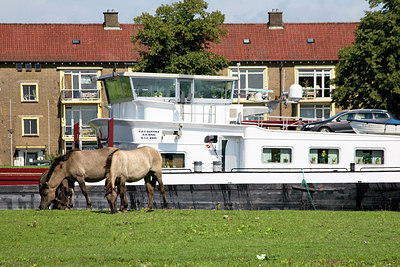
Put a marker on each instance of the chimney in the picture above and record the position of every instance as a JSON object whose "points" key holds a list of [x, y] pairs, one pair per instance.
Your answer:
{"points": [[275, 19], [111, 20]]}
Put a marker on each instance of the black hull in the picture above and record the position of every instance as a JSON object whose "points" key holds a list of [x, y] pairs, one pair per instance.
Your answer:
{"points": [[338, 196]]}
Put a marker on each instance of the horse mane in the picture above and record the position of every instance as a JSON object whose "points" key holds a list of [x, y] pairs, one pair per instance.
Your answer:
{"points": [[56, 162], [107, 167]]}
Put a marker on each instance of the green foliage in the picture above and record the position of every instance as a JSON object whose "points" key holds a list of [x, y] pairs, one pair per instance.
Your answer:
{"points": [[199, 238], [176, 39], [368, 74]]}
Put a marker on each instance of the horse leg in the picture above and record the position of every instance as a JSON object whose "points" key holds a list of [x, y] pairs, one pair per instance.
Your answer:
{"points": [[150, 191], [70, 193], [122, 194], [158, 176], [82, 185]]}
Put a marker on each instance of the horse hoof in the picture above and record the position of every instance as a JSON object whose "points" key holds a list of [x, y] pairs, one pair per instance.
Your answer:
{"points": [[149, 210]]}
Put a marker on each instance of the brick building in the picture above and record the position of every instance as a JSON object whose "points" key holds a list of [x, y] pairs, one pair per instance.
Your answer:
{"points": [[47, 74]]}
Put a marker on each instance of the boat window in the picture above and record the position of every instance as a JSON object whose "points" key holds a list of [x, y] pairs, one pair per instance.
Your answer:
{"points": [[212, 89], [153, 87], [324, 156], [118, 89], [173, 160], [368, 156], [276, 155]]}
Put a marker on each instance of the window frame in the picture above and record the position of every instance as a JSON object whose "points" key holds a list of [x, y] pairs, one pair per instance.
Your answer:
{"points": [[316, 161], [246, 70], [312, 91], [36, 90], [361, 161], [163, 154], [272, 159], [315, 108], [76, 91], [23, 119]]}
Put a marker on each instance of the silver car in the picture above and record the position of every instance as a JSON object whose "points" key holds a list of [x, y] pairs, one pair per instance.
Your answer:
{"points": [[341, 121]]}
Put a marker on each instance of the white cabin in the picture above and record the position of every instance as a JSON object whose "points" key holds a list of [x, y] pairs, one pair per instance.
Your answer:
{"points": [[190, 119]]}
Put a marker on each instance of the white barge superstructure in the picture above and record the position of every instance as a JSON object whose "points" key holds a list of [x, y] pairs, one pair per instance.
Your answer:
{"points": [[191, 120]]}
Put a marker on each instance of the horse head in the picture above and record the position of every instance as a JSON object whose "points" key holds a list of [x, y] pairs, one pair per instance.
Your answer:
{"points": [[49, 184]]}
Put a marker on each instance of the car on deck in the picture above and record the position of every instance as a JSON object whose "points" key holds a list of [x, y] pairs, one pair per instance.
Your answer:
{"points": [[341, 121]]}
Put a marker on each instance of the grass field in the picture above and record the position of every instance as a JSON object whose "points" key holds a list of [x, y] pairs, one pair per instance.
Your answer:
{"points": [[199, 238]]}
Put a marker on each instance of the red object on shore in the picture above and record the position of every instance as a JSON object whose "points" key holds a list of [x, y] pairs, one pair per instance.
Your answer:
{"points": [[20, 176]]}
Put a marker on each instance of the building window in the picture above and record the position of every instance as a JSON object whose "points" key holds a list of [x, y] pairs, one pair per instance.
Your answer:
{"points": [[29, 92], [79, 84], [30, 126], [315, 112], [368, 156], [173, 160], [251, 79], [81, 115], [324, 156], [315, 82], [276, 155]]}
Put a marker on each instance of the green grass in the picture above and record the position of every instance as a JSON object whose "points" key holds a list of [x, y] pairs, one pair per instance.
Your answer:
{"points": [[199, 238]]}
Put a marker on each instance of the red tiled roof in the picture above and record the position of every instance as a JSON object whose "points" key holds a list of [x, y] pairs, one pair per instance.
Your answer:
{"points": [[287, 44], [53, 42]]}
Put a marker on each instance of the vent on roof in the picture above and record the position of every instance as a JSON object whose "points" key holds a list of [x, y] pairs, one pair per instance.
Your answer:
{"points": [[246, 41], [18, 66], [28, 67], [310, 41], [76, 41]]}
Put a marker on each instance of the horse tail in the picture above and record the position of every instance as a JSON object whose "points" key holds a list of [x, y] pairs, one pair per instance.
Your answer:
{"points": [[107, 168]]}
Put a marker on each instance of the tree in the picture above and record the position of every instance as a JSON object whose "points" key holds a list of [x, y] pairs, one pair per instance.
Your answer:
{"points": [[177, 38], [368, 73]]}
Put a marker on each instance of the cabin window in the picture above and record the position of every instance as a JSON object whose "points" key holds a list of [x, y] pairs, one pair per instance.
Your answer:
{"points": [[173, 160], [118, 89], [29, 92], [30, 126], [324, 156], [153, 87], [213, 89], [276, 155], [368, 156]]}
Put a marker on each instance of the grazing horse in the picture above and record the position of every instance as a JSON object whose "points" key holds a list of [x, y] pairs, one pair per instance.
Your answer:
{"points": [[64, 194], [132, 166], [77, 165]]}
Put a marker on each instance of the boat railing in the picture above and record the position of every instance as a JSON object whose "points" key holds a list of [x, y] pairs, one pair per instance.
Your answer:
{"points": [[379, 168], [289, 169], [175, 170], [284, 123]]}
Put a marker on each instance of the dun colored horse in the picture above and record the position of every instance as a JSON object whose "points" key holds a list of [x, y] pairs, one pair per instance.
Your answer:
{"points": [[132, 166], [77, 165]]}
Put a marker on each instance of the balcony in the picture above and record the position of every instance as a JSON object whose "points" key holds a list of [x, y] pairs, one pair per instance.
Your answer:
{"points": [[84, 131], [316, 93], [80, 95]]}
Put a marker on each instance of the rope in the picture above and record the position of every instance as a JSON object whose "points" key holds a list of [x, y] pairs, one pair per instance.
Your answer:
{"points": [[308, 191]]}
